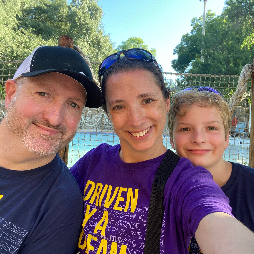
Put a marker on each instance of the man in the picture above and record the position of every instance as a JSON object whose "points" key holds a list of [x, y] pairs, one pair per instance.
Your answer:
{"points": [[41, 205]]}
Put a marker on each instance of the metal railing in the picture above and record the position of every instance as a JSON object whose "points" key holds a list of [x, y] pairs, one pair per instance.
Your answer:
{"points": [[95, 127]]}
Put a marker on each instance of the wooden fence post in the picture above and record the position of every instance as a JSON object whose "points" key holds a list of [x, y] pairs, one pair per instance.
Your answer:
{"points": [[251, 151]]}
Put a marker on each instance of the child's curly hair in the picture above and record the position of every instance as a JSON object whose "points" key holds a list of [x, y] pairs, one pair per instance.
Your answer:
{"points": [[182, 100]]}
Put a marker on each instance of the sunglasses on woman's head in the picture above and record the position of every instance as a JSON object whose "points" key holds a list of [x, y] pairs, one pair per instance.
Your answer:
{"points": [[202, 89], [135, 53]]}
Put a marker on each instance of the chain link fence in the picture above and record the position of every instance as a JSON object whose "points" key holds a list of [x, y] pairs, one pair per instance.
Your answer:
{"points": [[95, 127]]}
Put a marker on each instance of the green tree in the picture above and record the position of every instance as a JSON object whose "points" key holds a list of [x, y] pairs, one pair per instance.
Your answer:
{"points": [[25, 24], [223, 44], [15, 43], [241, 13], [189, 48], [135, 42]]}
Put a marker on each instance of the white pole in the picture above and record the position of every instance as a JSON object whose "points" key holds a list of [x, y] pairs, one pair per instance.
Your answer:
{"points": [[203, 30]]}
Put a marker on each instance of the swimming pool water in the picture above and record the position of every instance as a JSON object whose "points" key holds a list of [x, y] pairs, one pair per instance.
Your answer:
{"points": [[237, 151]]}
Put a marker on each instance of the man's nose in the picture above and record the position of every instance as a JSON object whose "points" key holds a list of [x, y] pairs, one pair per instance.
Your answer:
{"points": [[54, 113]]}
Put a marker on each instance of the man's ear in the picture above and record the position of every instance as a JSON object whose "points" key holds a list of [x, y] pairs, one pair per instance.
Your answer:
{"points": [[172, 144], [10, 90]]}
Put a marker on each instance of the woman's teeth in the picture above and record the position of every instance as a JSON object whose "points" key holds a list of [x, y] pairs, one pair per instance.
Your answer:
{"points": [[140, 134]]}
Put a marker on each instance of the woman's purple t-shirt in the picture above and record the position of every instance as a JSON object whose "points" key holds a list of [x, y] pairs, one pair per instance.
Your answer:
{"points": [[117, 196]]}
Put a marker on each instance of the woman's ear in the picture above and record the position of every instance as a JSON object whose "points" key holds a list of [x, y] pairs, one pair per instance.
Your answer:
{"points": [[172, 144], [10, 90], [168, 104]]}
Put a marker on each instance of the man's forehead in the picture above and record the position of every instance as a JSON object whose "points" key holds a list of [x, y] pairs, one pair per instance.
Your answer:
{"points": [[55, 81]]}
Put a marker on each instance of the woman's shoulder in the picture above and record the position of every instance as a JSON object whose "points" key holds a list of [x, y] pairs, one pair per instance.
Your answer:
{"points": [[97, 156], [186, 176], [186, 168], [99, 151]]}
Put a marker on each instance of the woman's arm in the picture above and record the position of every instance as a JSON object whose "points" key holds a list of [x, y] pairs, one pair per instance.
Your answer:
{"points": [[219, 233]]}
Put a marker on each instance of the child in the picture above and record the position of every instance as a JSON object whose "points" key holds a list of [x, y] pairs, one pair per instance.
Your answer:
{"points": [[199, 123]]}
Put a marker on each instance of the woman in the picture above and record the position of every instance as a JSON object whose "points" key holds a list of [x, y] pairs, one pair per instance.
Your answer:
{"points": [[117, 180], [199, 124]]}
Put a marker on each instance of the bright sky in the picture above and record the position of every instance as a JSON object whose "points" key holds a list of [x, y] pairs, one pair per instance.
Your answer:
{"points": [[159, 23]]}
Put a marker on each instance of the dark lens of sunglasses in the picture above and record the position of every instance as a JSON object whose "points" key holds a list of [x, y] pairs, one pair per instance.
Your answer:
{"points": [[138, 54], [109, 61]]}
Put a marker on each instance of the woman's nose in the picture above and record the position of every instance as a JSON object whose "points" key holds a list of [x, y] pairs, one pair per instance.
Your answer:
{"points": [[135, 115]]}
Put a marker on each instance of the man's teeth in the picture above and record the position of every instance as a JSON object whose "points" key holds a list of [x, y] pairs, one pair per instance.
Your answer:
{"points": [[140, 134]]}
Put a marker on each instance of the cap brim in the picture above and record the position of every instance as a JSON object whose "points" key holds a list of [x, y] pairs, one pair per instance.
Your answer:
{"points": [[94, 97]]}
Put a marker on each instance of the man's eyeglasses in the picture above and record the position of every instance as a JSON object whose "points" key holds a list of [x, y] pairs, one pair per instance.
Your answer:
{"points": [[202, 89], [135, 53]]}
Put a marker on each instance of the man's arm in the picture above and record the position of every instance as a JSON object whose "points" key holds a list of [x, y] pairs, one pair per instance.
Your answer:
{"points": [[219, 233]]}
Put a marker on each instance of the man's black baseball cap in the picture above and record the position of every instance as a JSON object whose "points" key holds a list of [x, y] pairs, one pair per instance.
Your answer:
{"points": [[45, 59]]}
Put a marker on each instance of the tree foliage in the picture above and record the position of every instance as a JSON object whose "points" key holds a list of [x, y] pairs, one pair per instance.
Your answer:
{"points": [[26, 24], [135, 42], [226, 46]]}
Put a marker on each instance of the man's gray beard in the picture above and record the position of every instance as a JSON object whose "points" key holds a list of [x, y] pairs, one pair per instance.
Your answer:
{"points": [[29, 143], [28, 140]]}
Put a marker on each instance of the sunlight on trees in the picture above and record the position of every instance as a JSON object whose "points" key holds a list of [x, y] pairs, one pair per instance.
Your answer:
{"points": [[26, 24], [135, 42], [228, 42]]}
